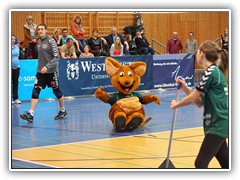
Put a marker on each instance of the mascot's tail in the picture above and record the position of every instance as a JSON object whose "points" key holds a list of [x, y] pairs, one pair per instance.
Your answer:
{"points": [[145, 121]]}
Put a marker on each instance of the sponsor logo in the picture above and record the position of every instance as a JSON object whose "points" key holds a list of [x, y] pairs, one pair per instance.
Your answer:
{"points": [[72, 70]]}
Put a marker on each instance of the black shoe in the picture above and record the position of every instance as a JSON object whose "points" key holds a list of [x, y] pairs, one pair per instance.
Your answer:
{"points": [[60, 115], [27, 116], [120, 122], [135, 122]]}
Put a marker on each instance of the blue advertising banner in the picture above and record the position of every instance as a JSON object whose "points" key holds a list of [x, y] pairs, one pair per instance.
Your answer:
{"points": [[28, 70], [83, 76], [166, 68]]}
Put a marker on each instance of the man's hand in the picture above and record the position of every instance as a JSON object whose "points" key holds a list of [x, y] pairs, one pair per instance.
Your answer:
{"points": [[44, 70]]}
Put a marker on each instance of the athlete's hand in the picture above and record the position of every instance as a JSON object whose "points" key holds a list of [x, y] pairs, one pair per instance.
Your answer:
{"points": [[173, 104], [44, 70]]}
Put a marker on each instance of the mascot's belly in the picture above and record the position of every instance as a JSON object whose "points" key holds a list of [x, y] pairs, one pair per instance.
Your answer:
{"points": [[127, 106]]}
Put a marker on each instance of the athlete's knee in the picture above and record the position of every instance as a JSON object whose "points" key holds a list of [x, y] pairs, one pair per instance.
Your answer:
{"points": [[57, 92], [35, 92]]}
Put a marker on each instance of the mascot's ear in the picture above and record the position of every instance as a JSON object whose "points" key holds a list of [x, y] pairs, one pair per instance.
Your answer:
{"points": [[112, 66], [139, 68]]}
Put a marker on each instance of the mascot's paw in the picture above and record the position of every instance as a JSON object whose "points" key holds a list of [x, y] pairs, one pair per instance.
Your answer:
{"points": [[148, 98], [156, 99], [120, 123], [135, 122], [99, 92]]}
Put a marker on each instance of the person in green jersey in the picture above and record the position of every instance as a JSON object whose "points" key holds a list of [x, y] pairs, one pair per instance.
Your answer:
{"points": [[212, 94]]}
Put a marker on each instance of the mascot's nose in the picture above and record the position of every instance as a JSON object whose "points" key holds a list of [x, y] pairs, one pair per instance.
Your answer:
{"points": [[127, 82]]}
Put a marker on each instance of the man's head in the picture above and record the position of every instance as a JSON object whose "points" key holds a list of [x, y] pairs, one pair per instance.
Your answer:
{"points": [[64, 32], [138, 32], [175, 35], [114, 31], [191, 35], [69, 42], [42, 30]]}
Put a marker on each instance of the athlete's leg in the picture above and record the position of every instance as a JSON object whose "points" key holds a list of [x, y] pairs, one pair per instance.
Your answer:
{"points": [[58, 93], [223, 156], [210, 147]]}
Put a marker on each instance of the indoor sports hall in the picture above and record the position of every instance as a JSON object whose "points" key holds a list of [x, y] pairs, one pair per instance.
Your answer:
{"points": [[85, 138]]}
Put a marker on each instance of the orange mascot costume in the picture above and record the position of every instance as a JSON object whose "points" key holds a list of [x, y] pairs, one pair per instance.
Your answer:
{"points": [[127, 112]]}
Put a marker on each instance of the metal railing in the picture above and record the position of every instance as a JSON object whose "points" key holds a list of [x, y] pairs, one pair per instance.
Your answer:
{"points": [[162, 45], [218, 39]]}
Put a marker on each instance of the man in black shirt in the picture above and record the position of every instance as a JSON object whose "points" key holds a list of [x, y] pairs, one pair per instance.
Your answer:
{"points": [[143, 46]]}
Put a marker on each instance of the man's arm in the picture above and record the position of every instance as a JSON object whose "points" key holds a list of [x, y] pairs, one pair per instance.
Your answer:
{"points": [[55, 55]]}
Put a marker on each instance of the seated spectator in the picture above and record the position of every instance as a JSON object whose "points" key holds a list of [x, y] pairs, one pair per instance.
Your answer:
{"points": [[64, 38], [78, 31], [67, 50], [116, 48], [22, 50], [95, 44], [86, 53], [110, 39], [57, 36], [132, 46], [143, 47]]}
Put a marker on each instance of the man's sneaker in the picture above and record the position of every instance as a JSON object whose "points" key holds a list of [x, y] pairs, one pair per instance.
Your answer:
{"points": [[17, 102], [27, 116], [61, 115]]}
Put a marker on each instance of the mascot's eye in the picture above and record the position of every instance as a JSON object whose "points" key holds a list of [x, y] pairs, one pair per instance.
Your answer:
{"points": [[130, 73], [121, 74]]}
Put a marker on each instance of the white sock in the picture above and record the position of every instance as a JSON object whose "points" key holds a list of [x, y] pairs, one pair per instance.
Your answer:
{"points": [[63, 109], [31, 112]]}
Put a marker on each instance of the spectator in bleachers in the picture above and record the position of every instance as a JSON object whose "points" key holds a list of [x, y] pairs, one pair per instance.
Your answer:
{"points": [[30, 38], [22, 50], [143, 46], [132, 46], [116, 48], [86, 52], [110, 39], [78, 31], [224, 40], [19, 44], [64, 38], [15, 71], [57, 36], [95, 43], [174, 45], [67, 50], [191, 44]]}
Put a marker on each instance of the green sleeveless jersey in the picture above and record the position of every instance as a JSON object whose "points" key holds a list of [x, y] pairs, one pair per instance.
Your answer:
{"points": [[215, 102]]}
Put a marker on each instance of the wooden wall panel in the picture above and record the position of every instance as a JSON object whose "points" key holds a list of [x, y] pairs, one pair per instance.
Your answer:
{"points": [[205, 25], [19, 19]]}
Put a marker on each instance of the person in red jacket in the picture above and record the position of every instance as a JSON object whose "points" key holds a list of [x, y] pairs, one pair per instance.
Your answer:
{"points": [[174, 45], [78, 31]]}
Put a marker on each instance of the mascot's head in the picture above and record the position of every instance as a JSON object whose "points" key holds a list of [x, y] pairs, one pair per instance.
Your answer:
{"points": [[125, 79]]}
